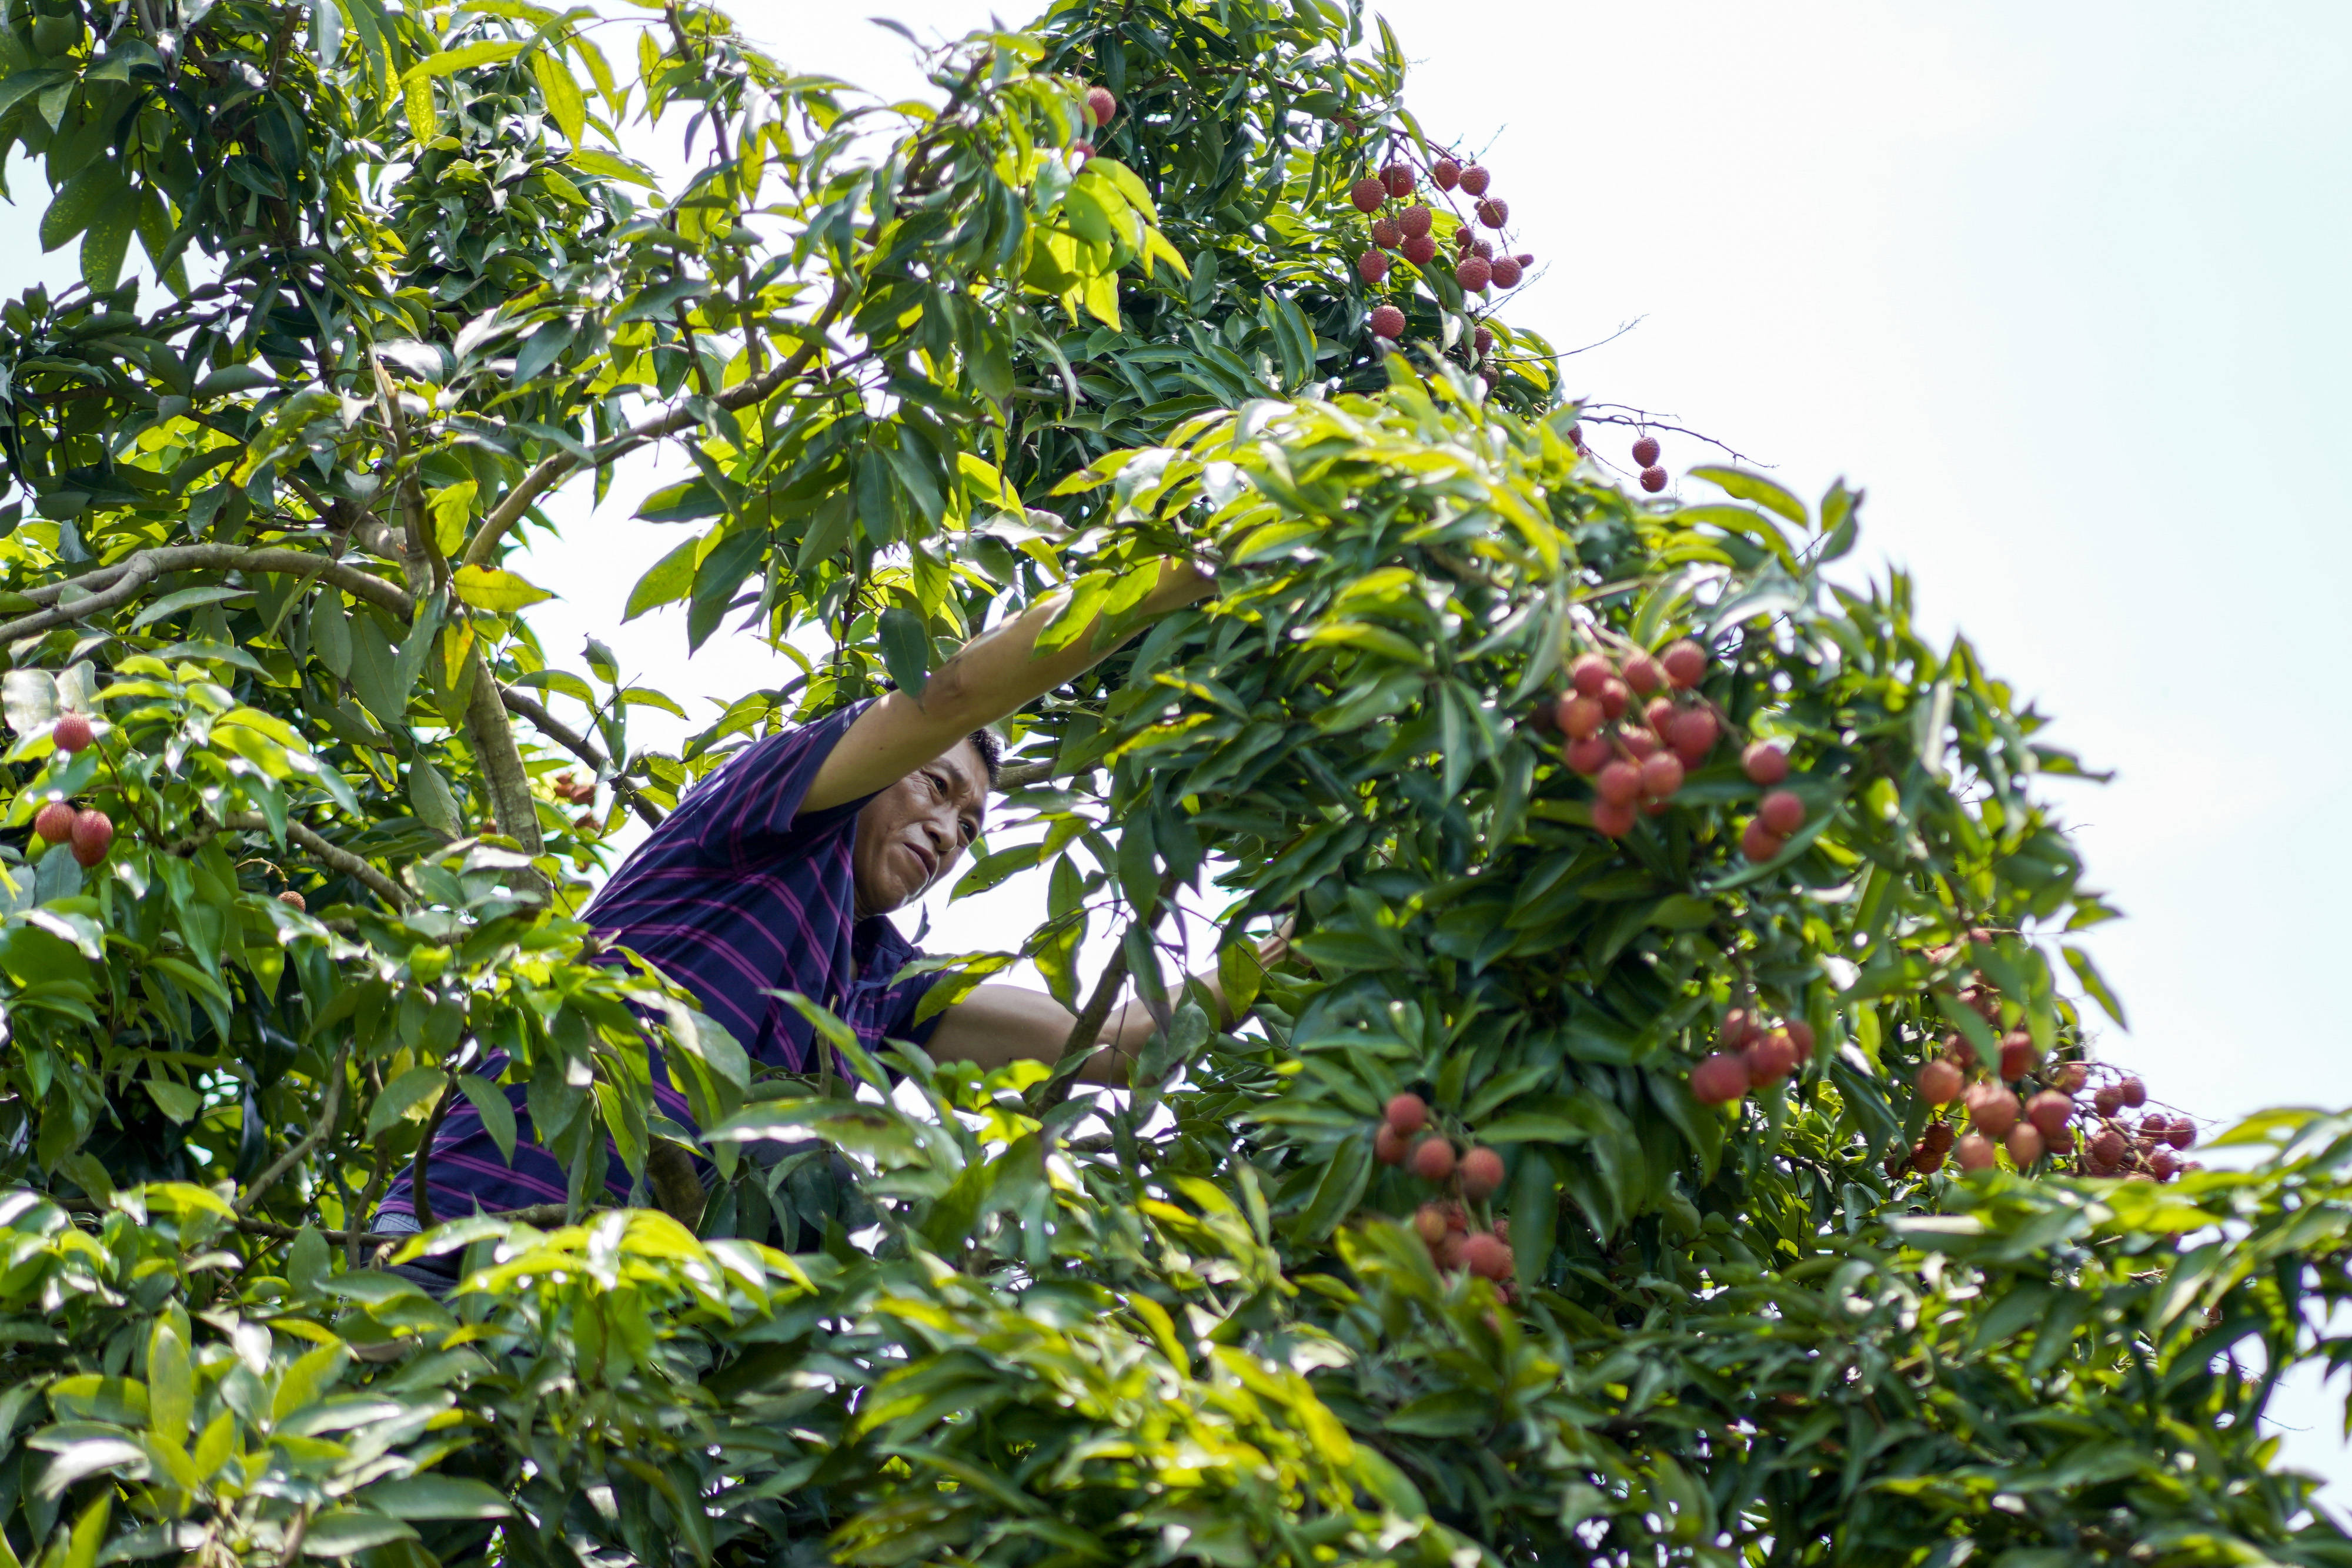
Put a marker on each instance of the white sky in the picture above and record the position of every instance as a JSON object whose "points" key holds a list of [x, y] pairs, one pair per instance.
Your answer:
{"points": [[2060, 285]]}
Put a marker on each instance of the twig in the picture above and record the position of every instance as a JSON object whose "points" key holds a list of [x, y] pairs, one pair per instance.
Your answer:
{"points": [[329, 1110], [1088, 1027], [580, 746], [333, 854], [420, 1170], [537, 1214], [1639, 420]]}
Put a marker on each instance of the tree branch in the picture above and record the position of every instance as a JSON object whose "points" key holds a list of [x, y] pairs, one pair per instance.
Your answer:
{"points": [[330, 854], [580, 746], [118, 584], [502, 760], [332, 1108]]}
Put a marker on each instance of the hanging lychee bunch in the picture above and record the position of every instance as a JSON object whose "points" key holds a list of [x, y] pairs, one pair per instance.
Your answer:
{"points": [[1751, 1055], [1404, 1137], [2031, 1111], [568, 786], [1637, 757], [1646, 458], [1409, 230], [90, 831]]}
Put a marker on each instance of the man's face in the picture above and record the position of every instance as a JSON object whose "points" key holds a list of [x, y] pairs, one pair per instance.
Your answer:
{"points": [[912, 833]]}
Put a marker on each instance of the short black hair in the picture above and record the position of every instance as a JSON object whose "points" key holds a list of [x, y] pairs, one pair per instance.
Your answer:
{"points": [[992, 752]]}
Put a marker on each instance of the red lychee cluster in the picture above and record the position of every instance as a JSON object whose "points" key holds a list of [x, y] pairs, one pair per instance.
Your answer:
{"points": [[1410, 232], [90, 831], [1752, 1056], [1646, 458], [1637, 757], [568, 786], [2016, 1103], [1404, 1138]]}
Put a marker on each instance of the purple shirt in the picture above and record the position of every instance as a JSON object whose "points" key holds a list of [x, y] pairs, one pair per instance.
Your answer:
{"points": [[737, 893]]}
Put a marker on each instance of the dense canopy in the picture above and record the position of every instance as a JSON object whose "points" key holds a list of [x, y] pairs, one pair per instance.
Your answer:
{"points": [[1674, 1137]]}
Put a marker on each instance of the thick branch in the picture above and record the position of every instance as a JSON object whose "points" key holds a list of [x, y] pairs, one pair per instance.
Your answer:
{"points": [[420, 1170], [580, 746], [332, 1108], [500, 761], [118, 584], [331, 854]]}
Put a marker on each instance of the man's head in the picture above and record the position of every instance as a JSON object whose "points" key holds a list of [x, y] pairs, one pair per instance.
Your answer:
{"points": [[911, 834]]}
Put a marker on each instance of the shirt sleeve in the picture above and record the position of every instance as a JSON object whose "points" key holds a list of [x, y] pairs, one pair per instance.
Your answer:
{"points": [[750, 808]]}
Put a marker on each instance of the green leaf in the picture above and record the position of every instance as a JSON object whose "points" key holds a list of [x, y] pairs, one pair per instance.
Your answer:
{"points": [[1755, 487], [437, 1497], [2095, 984], [106, 241], [411, 1095], [185, 599], [564, 99], [498, 1114], [906, 649], [596, 161], [495, 589]]}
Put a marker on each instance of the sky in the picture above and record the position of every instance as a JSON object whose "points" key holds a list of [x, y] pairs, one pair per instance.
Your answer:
{"points": [[2060, 286]]}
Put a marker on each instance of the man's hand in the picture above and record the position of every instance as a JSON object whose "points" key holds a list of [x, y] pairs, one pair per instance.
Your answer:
{"points": [[991, 676]]}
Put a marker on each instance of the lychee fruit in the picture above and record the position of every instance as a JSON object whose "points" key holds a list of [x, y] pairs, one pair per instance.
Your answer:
{"points": [[1800, 1035], [1740, 1030], [2067, 1077], [1661, 776], [2162, 1165], [1686, 663], [1505, 272], [1429, 1223], [1764, 764], [1658, 713], [1449, 1250], [70, 733], [1082, 150], [294, 901], [1590, 672], [1614, 694], [1397, 180], [1770, 1059], [1719, 1080], [2135, 1092], [2049, 1111], [1407, 1113], [1480, 341], [2181, 1135], [1433, 1159], [1993, 1108], [55, 821], [1525, 258], [1415, 220], [1419, 249], [1388, 321], [1372, 266], [1974, 1151], [1482, 1173], [1445, 173], [1645, 452], [2107, 1100], [1471, 273], [1588, 756], [1758, 842], [1963, 1054], [2154, 1124], [2025, 1144], [1939, 1083], [1612, 820], [1620, 783], [1494, 211], [1475, 179], [1926, 1159], [1389, 1146], [1653, 480], [2016, 1053], [92, 831], [2106, 1147], [1368, 194], [1579, 717], [1644, 675], [1692, 733], [1486, 1256], [1781, 811], [1101, 107]]}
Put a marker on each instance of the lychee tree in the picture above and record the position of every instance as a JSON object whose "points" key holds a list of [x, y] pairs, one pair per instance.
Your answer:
{"points": [[1669, 1139]]}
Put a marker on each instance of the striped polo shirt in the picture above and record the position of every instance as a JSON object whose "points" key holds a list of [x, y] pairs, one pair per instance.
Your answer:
{"points": [[737, 893]]}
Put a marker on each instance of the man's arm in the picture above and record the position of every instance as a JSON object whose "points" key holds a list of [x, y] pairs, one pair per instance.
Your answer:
{"points": [[999, 1024], [989, 677]]}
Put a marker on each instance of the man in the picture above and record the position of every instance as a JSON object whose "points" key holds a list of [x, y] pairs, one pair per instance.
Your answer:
{"points": [[776, 874]]}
